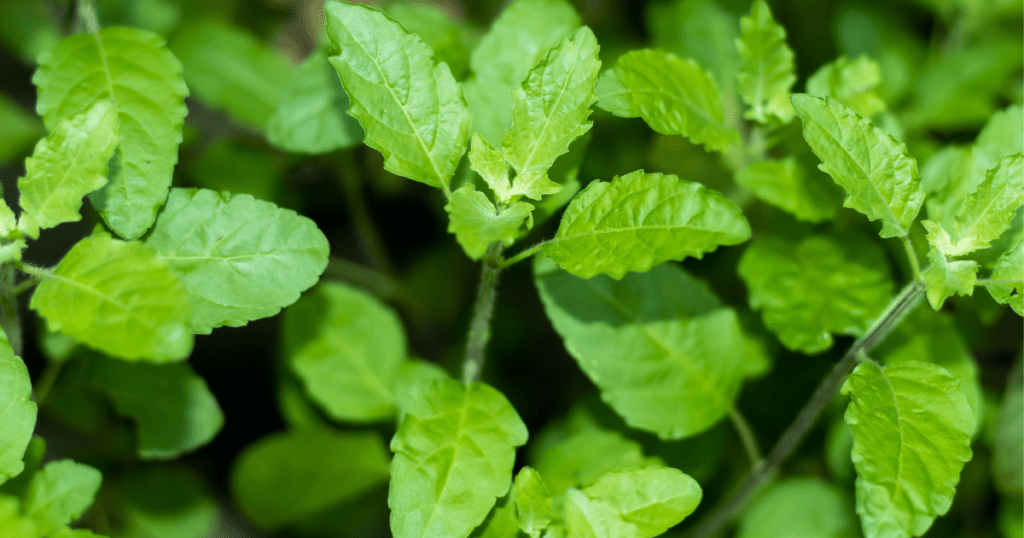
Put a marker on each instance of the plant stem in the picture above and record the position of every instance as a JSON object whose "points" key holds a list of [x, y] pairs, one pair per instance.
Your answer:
{"points": [[483, 309], [10, 320], [37, 272], [25, 285], [505, 264], [46, 381], [367, 234], [747, 437], [87, 14], [908, 298], [983, 281], [912, 256]]}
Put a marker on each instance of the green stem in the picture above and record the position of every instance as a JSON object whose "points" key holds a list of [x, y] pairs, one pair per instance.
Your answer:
{"points": [[87, 14], [747, 437], [912, 256], [908, 298], [37, 272], [10, 319], [505, 264], [49, 376], [483, 309], [366, 232], [25, 285], [983, 281]]}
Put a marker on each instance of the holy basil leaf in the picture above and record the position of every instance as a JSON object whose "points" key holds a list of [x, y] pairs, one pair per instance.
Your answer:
{"points": [[488, 161], [454, 452], [67, 165], [944, 277], [136, 70], [652, 498], [310, 115], [1007, 437], [409, 105], [806, 194], [290, 476], [639, 220], [12, 522], [17, 411], [550, 110], [880, 178], [163, 502], [593, 518], [476, 223], [138, 309], [410, 374], [800, 508], [766, 71], [59, 494], [851, 82], [239, 258], [987, 212], [347, 348], [1006, 284], [674, 96], [911, 437], [821, 285], [533, 502]]}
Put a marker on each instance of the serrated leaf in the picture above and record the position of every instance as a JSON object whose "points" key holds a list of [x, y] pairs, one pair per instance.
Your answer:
{"points": [[310, 115], [939, 239], [17, 411], [822, 285], [137, 308], [533, 502], [800, 508], [987, 212], [851, 82], [639, 220], [674, 96], [806, 194], [314, 468], [766, 71], [488, 161], [1008, 438], [1007, 280], [454, 452], [911, 437], [239, 258], [880, 178], [346, 347], [135, 69], [231, 70], [592, 518], [410, 107], [550, 110], [59, 493], [653, 498], [476, 223], [68, 164], [664, 353], [944, 277]]}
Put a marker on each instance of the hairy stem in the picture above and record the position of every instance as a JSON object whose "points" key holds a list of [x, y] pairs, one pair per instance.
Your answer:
{"points": [[87, 14], [10, 319], [504, 264], [483, 309], [747, 437], [912, 256], [908, 298]]}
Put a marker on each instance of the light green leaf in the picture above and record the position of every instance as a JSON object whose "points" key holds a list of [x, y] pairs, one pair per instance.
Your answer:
{"points": [[346, 347], [851, 82], [136, 70], [454, 452], [1006, 283], [60, 493], [443, 35], [880, 178], [987, 212], [653, 498], [12, 523], [665, 354], [231, 70], [8, 221], [639, 220], [520, 37], [164, 502], [173, 410], [1008, 437], [17, 411], [239, 258], [533, 502], [820, 286], [1002, 136], [766, 71], [409, 105], [944, 277], [592, 518], [310, 115], [806, 194], [410, 374], [939, 240], [800, 508], [501, 522], [911, 436], [136, 307], [488, 161], [312, 468], [674, 96], [550, 110], [476, 223]]}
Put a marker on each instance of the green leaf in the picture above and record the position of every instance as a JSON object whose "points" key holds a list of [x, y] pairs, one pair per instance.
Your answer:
{"points": [[1008, 438], [806, 194], [488, 161], [851, 82], [654, 499], [520, 37], [173, 410], [880, 178], [820, 286], [410, 374], [592, 518], [911, 436], [60, 493], [767, 73], [476, 223], [12, 523], [137, 308], [17, 411], [665, 354], [639, 220], [66, 165], [550, 110], [438, 31], [987, 212], [1007, 280], [533, 502], [674, 96], [800, 508], [230, 70], [1002, 136], [310, 115], [239, 258], [136, 70], [164, 502], [347, 348], [454, 452], [409, 105], [313, 469], [944, 277], [21, 130]]}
